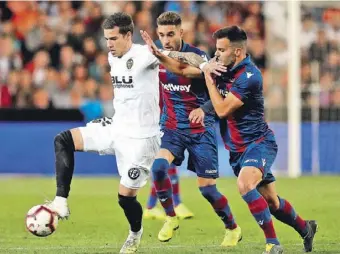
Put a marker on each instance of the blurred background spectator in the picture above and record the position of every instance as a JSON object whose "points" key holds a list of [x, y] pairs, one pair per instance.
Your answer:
{"points": [[53, 53]]}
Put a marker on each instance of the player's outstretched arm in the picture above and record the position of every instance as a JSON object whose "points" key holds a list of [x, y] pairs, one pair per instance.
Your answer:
{"points": [[180, 63], [169, 63], [223, 106]]}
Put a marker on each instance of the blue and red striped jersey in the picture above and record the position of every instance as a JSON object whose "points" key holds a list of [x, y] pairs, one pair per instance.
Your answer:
{"points": [[246, 124], [180, 96]]}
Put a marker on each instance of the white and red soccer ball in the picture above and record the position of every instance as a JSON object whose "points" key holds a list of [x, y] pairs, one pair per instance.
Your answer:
{"points": [[41, 220]]}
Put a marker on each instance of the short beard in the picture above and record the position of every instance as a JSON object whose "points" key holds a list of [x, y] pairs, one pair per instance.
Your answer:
{"points": [[232, 63]]}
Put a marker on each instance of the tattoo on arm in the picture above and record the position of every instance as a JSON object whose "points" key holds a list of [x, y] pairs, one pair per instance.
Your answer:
{"points": [[187, 57]]}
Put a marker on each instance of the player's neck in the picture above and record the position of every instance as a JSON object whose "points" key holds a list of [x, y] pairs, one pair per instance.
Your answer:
{"points": [[238, 60], [127, 48], [179, 47]]}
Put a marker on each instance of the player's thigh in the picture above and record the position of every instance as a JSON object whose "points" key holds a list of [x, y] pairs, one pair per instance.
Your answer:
{"points": [[203, 156], [77, 139], [134, 159], [97, 138], [261, 156], [172, 146]]}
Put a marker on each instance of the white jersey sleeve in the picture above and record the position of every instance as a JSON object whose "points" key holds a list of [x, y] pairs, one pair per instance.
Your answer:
{"points": [[151, 59]]}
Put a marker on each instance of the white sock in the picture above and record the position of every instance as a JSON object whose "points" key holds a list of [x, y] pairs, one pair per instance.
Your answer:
{"points": [[60, 200], [136, 234]]}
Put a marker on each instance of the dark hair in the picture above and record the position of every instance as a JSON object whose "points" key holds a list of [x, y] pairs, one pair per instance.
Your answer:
{"points": [[232, 33], [169, 18], [121, 20]]}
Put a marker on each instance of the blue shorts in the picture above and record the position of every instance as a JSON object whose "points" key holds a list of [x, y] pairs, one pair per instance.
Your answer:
{"points": [[258, 154], [202, 149]]}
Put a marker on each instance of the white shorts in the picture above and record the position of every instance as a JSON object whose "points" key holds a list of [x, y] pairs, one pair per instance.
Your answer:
{"points": [[134, 156]]}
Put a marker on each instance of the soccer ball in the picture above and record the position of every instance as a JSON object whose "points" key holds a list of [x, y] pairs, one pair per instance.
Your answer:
{"points": [[41, 221]]}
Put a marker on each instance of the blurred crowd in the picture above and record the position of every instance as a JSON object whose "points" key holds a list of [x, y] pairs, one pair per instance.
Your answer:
{"points": [[53, 54]]}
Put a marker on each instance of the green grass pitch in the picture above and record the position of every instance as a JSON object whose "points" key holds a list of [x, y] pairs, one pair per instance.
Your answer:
{"points": [[97, 224]]}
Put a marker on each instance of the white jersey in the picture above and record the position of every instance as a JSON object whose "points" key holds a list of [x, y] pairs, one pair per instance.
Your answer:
{"points": [[136, 89]]}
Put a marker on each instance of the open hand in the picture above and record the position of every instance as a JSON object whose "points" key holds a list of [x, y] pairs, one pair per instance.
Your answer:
{"points": [[147, 39], [197, 116]]}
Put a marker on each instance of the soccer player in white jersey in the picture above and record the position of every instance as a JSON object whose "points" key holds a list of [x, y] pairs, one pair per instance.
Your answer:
{"points": [[132, 134]]}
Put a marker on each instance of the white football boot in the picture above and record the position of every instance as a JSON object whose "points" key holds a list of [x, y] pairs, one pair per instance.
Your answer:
{"points": [[132, 242], [59, 205]]}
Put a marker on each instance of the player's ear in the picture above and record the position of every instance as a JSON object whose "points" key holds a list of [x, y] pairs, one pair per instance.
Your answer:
{"points": [[181, 32], [238, 52], [128, 35]]}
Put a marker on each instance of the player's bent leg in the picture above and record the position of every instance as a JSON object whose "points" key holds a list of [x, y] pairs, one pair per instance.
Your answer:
{"points": [[283, 211], [181, 210], [221, 207], [163, 187], [127, 199], [248, 179], [65, 144]]}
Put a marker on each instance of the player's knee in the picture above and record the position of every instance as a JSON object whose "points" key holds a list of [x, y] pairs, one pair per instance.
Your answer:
{"points": [[244, 186], [159, 168], [125, 202], [64, 140]]}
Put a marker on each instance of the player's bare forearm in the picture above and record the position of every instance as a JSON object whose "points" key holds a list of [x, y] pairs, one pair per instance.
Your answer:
{"points": [[223, 106], [215, 96], [188, 58], [179, 68]]}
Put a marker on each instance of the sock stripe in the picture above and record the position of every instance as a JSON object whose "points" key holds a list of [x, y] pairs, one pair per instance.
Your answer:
{"points": [[288, 215], [220, 203], [175, 188], [162, 185], [301, 223], [172, 171], [287, 208], [153, 191], [268, 233], [258, 205]]}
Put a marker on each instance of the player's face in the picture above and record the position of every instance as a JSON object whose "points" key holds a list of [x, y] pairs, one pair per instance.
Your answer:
{"points": [[170, 37], [225, 53], [117, 43]]}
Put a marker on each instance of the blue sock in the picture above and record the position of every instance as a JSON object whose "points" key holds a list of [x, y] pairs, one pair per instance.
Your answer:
{"points": [[172, 172], [220, 204], [162, 185], [258, 206], [152, 200]]}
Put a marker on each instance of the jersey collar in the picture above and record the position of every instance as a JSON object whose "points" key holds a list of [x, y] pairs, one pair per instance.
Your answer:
{"points": [[245, 61], [184, 46]]}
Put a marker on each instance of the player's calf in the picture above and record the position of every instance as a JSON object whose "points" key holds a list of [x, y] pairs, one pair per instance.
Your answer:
{"points": [[220, 204], [64, 166], [64, 162], [132, 210], [162, 185], [221, 207]]}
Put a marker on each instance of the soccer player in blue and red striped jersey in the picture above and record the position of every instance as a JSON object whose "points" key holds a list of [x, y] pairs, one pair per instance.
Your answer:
{"points": [[237, 98], [152, 211], [184, 90]]}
